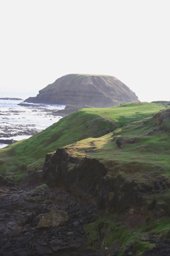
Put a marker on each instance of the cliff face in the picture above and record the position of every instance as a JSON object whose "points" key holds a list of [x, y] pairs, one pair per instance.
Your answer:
{"points": [[110, 187], [125, 203], [85, 91]]}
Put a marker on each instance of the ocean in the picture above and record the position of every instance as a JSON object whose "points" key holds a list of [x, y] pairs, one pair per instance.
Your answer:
{"points": [[21, 122]]}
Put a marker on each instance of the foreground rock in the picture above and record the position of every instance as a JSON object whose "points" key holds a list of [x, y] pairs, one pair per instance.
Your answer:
{"points": [[70, 214], [85, 91], [43, 221], [112, 188], [131, 191]]}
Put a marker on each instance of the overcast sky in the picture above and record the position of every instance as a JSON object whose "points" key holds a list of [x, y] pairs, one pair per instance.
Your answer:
{"points": [[41, 40]]}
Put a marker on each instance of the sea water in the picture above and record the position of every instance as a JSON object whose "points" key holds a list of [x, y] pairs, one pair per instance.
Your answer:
{"points": [[20, 122]]}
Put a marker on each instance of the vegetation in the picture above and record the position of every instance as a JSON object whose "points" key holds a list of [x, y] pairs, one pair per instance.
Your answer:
{"points": [[130, 141], [143, 150], [89, 122], [108, 230]]}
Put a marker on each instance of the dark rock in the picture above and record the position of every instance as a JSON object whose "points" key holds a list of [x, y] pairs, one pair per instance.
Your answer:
{"points": [[62, 169], [4, 181], [120, 141], [53, 218], [89, 178], [6, 141], [7, 98], [162, 248], [44, 226], [162, 120], [68, 110]]}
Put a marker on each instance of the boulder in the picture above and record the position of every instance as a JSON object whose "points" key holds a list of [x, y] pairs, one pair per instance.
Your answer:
{"points": [[53, 218]]}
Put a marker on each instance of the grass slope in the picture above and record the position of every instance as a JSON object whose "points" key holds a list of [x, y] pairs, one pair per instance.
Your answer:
{"points": [[89, 122], [149, 147], [141, 162]]}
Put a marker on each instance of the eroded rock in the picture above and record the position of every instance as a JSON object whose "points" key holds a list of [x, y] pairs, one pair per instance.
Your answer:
{"points": [[52, 223], [53, 218], [162, 120], [119, 187]]}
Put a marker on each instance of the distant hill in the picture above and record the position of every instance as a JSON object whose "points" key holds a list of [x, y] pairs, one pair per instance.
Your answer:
{"points": [[85, 91]]}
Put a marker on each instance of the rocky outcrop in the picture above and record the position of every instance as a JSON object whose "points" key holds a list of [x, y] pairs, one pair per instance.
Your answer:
{"points": [[54, 218], [43, 222], [121, 142], [85, 91], [133, 192], [162, 120], [112, 188]]}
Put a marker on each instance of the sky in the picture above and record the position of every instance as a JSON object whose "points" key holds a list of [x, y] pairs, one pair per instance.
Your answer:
{"points": [[42, 40]]}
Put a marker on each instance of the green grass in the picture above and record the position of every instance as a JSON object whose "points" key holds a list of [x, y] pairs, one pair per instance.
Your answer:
{"points": [[31, 153], [107, 231], [89, 122], [150, 147], [153, 150]]}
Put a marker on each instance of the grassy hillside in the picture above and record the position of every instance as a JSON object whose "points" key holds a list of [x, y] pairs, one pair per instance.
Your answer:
{"points": [[29, 154], [137, 153], [133, 142], [142, 141]]}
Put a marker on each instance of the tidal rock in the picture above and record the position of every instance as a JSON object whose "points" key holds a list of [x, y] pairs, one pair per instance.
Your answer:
{"points": [[7, 141]]}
